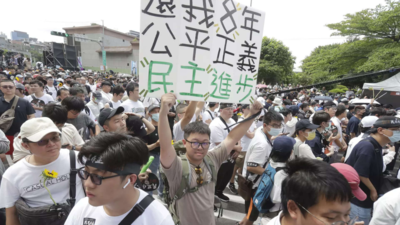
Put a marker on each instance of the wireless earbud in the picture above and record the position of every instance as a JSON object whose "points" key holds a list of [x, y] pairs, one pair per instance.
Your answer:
{"points": [[129, 181]]}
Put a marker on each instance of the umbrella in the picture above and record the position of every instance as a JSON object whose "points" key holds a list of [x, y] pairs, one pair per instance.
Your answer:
{"points": [[126, 75], [323, 98], [261, 86]]}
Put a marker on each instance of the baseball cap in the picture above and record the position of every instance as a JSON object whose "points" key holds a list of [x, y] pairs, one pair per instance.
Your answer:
{"points": [[387, 122], [98, 95], [352, 177], [153, 106], [305, 124], [108, 113], [226, 105], [19, 86], [135, 124], [283, 144], [60, 80], [36, 128], [368, 121]]}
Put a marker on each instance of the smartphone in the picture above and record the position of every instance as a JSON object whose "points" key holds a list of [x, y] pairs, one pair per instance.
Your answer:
{"points": [[286, 133]]}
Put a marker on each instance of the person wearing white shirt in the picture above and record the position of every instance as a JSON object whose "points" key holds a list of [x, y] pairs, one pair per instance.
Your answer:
{"points": [[118, 93], [105, 92], [96, 104], [304, 131], [210, 114], [262, 98], [109, 176], [38, 99], [133, 104], [50, 89], [339, 144], [42, 138], [186, 114], [92, 84], [387, 209]]}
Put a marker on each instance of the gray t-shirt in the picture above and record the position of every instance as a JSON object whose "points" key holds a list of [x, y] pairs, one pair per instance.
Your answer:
{"points": [[83, 123]]}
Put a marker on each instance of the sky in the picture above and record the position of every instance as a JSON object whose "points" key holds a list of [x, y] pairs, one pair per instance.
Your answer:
{"points": [[300, 25]]}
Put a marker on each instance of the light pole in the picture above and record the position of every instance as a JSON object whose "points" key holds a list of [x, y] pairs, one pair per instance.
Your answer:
{"points": [[103, 52], [251, 3]]}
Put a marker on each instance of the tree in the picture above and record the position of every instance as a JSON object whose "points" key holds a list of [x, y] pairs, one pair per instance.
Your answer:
{"points": [[276, 62]]}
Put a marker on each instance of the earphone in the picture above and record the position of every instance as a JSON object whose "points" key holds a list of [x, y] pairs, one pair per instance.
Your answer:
{"points": [[129, 181]]}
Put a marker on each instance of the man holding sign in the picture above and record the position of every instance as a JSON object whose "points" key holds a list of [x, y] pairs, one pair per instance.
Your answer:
{"points": [[194, 204]]}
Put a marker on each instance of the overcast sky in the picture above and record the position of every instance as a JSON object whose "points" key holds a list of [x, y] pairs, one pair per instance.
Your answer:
{"points": [[300, 25]]}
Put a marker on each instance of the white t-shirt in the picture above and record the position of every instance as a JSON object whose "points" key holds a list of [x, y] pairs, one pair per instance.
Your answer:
{"points": [[93, 87], [245, 140], [23, 180], [133, 107], [258, 153], [178, 131], [85, 214], [45, 99], [305, 151], [276, 220], [107, 97], [353, 142], [277, 188], [53, 92], [116, 104], [219, 131], [262, 100], [337, 123], [207, 115], [95, 108], [387, 209]]}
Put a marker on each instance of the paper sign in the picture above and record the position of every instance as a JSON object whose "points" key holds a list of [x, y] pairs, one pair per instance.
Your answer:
{"points": [[205, 50]]}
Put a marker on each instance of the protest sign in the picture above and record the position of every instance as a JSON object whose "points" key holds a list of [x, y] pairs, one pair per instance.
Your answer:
{"points": [[206, 50]]}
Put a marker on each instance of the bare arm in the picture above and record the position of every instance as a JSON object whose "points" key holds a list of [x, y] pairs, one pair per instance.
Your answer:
{"points": [[154, 145], [31, 116], [190, 111], [237, 133], [167, 151], [12, 216], [150, 128], [373, 193], [250, 134], [97, 130], [199, 108]]}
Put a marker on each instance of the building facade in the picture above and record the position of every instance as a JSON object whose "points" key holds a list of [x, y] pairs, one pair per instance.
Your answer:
{"points": [[19, 35], [121, 48]]}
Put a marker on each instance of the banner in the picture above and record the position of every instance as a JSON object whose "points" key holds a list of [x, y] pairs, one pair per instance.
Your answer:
{"points": [[205, 50]]}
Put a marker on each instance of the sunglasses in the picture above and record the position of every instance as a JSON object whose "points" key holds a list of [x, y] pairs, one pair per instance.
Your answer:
{"points": [[7, 87], [96, 179], [199, 171], [45, 142]]}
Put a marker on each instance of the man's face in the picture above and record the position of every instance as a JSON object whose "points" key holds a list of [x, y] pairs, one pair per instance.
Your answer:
{"points": [[119, 97], [64, 94], [227, 112], [73, 114], [182, 114], [116, 124], [306, 109], [106, 88], [46, 151], [322, 213], [35, 88], [81, 96], [288, 118], [197, 154], [82, 81], [135, 93], [274, 124], [331, 111], [50, 81], [110, 190], [8, 88]]}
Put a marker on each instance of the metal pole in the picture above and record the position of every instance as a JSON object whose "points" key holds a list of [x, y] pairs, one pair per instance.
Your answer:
{"points": [[251, 3], [102, 47]]}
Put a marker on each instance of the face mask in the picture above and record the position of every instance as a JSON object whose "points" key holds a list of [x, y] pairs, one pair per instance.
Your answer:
{"points": [[395, 137], [96, 100], [155, 117], [275, 131], [311, 135], [328, 127]]}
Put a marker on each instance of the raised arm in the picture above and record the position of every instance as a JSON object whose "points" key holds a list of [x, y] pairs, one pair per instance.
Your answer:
{"points": [[190, 111], [237, 133], [167, 151]]}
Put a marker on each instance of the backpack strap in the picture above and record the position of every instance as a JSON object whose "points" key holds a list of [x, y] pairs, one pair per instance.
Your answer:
{"points": [[87, 110], [137, 211], [223, 121], [210, 114], [296, 149], [211, 167], [186, 178], [14, 103], [72, 178]]}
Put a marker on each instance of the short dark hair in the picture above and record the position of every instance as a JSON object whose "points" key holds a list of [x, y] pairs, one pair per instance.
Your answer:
{"points": [[287, 102], [7, 80], [278, 156], [320, 117], [196, 127], [304, 105], [340, 110], [118, 90], [212, 104], [272, 116], [309, 180], [38, 82], [271, 97], [73, 103], [285, 112], [351, 107], [60, 90], [180, 107], [57, 113], [115, 150], [131, 87], [76, 90], [377, 111], [358, 108]]}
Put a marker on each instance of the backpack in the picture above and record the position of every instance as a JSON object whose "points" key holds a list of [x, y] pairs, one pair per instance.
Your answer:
{"points": [[262, 200], [50, 214], [184, 186], [7, 118]]}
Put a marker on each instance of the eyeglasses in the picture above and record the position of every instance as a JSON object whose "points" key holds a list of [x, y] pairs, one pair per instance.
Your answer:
{"points": [[7, 87], [45, 142], [199, 171], [276, 126], [197, 145], [350, 222], [96, 179]]}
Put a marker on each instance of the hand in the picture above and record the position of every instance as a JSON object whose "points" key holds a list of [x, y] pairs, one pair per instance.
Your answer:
{"points": [[171, 114], [208, 121], [274, 137], [144, 176], [237, 148], [133, 114], [255, 108], [372, 101], [392, 148], [158, 143], [332, 138], [235, 155], [359, 223], [167, 101], [373, 195], [106, 105]]}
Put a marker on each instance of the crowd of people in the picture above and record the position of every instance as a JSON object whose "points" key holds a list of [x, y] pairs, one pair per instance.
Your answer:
{"points": [[86, 148]]}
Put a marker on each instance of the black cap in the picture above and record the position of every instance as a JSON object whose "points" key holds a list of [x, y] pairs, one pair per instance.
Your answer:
{"points": [[225, 105], [108, 113], [387, 122], [135, 124], [305, 124], [283, 144]]}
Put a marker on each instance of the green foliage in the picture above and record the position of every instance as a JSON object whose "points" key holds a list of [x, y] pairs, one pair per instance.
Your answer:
{"points": [[276, 62], [337, 91], [373, 44], [341, 87]]}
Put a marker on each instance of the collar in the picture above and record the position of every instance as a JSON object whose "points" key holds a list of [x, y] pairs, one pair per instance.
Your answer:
{"points": [[4, 99], [277, 164]]}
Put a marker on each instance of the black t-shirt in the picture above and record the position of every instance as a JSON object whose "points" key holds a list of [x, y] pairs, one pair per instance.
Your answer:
{"points": [[151, 139], [316, 144], [22, 110], [267, 105], [366, 159], [349, 115]]}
